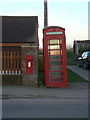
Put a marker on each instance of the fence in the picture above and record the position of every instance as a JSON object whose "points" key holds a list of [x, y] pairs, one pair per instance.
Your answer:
{"points": [[10, 62]]}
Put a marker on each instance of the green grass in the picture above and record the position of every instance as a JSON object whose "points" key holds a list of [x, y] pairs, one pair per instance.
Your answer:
{"points": [[72, 77]]}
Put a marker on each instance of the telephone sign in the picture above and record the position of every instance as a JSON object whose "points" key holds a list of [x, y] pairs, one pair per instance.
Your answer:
{"points": [[53, 33]]}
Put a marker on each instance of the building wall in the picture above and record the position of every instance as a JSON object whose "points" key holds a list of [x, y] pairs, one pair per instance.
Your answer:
{"points": [[12, 79], [30, 79], [21, 78]]}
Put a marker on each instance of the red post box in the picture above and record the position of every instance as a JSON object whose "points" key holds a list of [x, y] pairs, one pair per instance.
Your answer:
{"points": [[29, 64], [55, 61]]}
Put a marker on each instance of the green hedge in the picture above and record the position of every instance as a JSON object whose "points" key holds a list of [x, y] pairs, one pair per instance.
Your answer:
{"points": [[40, 63], [70, 58]]}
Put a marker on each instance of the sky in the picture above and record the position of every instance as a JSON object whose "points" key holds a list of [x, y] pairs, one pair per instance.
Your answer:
{"points": [[69, 14]]}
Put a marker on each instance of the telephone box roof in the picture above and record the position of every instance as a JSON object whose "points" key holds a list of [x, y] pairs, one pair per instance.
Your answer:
{"points": [[54, 27]]}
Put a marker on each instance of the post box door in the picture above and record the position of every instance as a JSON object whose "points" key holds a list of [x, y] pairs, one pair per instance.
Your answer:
{"points": [[29, 64]]}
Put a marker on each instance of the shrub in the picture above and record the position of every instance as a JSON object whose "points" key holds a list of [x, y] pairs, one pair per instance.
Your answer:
{"points": [[40, 63]]}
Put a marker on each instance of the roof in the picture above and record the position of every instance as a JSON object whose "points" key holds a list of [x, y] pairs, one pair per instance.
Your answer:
{"points": [[19, 29], [82, 41]]}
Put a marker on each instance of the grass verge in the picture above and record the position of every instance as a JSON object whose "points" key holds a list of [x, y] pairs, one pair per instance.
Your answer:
{"points": [[73, 77]]}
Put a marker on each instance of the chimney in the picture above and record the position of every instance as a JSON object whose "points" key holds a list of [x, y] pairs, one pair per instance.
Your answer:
{"points": [[45, 14]]}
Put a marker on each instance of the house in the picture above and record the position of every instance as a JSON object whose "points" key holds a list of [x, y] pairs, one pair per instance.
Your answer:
{"points": [[19, 50]]}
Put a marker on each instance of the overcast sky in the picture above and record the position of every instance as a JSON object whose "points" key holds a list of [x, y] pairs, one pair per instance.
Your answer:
{"points": [[70, 14]]}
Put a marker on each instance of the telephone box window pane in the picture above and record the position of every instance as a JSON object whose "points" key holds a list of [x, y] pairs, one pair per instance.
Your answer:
{"points": [[60, 41], [55, 68], [55, 57], [55, 79], [48, 41], [55, 52], [54, 41], [55, 74], [55, 62], [48, 47], [61, 52], [54, 47]]}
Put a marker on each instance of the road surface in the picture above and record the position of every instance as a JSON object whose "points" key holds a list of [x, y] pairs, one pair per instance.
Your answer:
{"points": [[45, 108]]}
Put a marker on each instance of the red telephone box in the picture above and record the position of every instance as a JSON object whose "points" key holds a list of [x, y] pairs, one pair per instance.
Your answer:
{"points": [[29, 64], [55, 61]]}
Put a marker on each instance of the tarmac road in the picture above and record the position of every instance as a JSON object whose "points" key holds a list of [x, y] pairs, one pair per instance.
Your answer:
{"points": [[84, 73], [45, 108]]}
